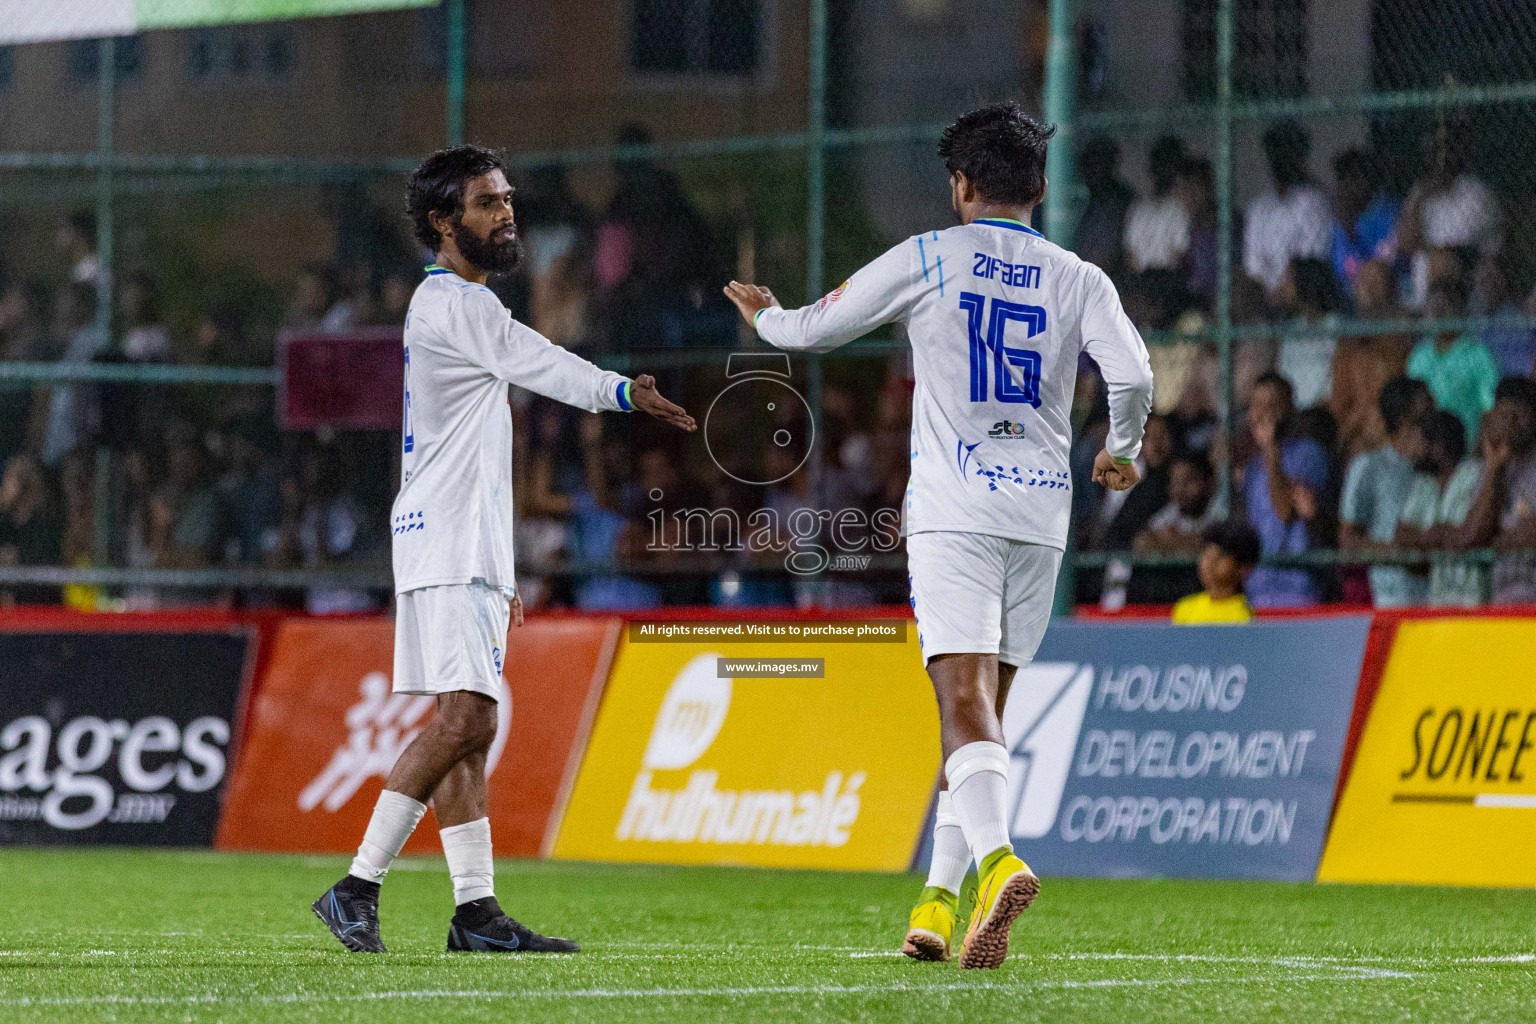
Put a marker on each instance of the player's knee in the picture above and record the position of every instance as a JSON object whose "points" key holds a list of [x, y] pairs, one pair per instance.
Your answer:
{"points": [[471, 722]]}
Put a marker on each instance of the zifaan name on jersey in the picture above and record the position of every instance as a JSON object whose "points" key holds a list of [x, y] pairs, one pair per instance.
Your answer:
{"points": [[1025, 275]]}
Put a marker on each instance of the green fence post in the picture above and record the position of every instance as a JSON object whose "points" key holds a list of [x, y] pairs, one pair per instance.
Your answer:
{"points": [[1224, 244], [106, 112], [1060, 105], [816, 214], [455, 66]]}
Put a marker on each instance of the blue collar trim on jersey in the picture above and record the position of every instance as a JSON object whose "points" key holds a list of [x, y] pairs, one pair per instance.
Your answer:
{"points": [[433, 270], [1011, 225]]}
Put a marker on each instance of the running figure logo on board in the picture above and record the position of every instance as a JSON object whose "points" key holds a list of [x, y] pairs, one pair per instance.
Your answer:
{"points": [[379, 728]]}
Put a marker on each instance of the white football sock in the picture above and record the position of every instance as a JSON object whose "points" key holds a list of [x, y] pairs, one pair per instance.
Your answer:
{"points": [[951, 856], [468, 849], [394, 819], [978, 785]]}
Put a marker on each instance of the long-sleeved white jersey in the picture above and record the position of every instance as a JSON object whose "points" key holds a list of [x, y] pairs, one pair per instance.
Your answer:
{"points": [[452, 520], [996, 316]]}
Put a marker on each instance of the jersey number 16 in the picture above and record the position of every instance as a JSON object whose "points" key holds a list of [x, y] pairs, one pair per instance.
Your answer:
{"points": [[988, 347]]}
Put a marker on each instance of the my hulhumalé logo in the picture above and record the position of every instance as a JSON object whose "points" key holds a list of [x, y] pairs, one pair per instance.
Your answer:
{"points": [[1006, 430], [686, 725]]}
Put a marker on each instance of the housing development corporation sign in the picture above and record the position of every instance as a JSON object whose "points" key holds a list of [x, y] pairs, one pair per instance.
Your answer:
{"points": [[1194, 751]]}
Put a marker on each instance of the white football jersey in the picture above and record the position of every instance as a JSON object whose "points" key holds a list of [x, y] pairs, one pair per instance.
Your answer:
{"points": [[996, 316], [452, 520]]}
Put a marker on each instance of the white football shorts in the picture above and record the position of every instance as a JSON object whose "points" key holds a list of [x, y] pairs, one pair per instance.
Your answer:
{"points": [[451, 637], [977, 594]]}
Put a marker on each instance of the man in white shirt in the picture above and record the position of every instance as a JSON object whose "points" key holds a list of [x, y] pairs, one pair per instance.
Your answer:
{"points": [[1293, 219], [1157, 227], [452, 539], [997, 317]]}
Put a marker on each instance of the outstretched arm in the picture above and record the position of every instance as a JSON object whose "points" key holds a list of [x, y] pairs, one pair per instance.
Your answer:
{"points": [[879, 293], [520, 355]]}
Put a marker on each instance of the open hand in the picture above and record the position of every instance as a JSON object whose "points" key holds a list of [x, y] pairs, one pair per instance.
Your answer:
{"points": [[1117, 476], [648, 400], [750, 299]]}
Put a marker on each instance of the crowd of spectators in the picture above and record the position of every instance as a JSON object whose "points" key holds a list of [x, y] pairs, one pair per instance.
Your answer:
{"points": [[200, 477], [1376, 444], [1397, 438]]}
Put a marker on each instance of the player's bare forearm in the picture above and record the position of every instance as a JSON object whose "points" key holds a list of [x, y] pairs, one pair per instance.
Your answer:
{"points": [[648, 400], [749, 299]]}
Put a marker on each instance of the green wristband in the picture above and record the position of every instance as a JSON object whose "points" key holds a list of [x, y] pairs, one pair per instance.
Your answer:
{"points": [[1122, 462], [758, 314]]}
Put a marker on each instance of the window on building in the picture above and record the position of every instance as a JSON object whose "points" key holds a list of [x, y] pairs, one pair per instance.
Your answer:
{"points": [[277, 55], [85, 54], [240, 53], [1269, 53], [696, 37]]}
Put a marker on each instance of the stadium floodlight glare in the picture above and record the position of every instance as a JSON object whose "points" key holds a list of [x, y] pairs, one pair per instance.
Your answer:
{"points": [[28, 21]]}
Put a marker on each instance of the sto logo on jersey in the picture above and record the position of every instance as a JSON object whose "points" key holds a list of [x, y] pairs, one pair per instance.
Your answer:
{"points": [[1006, 430]]}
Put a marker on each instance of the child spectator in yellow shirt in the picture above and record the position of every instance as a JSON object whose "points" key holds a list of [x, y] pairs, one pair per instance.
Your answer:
{"points": [[1231, 551]]}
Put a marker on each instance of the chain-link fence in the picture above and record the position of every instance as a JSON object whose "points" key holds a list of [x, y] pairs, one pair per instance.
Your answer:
{"points": [[1276, 186]]}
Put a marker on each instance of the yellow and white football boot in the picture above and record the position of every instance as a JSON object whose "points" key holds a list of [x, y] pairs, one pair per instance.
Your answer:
{"points": [[932, 924], [1005, 889]]}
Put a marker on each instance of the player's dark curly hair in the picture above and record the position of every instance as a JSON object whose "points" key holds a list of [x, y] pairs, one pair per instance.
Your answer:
{"points": [[1001, 150], [437, 186]]}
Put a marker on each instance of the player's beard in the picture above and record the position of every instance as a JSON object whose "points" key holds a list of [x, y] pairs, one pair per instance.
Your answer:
{"points": [[494, 257]]}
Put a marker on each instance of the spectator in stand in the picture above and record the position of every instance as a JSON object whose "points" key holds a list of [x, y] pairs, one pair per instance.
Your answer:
{"points": [[30, 530], [1504, 512], [1157, 226], [1099, 238], [144, 338], [1437, 506], [1447, 208], [1180, 525], [1364, 363], [654, 256], [1282, 484], [395, 298], [73, 411], [76, 242], [1197, 191], [355, 305], [1366, 219], [1293, 219], [314, 298], [1177, 528], [1309, 294], [600, 533], [1494, 294], [556, 228], [1376, 492], [1132, 511], [22, 339], [1458, 368], [333, 531], [1226, 563]]}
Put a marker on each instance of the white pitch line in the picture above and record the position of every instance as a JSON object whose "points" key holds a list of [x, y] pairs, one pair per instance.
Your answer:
{"points": [[657, 993]]}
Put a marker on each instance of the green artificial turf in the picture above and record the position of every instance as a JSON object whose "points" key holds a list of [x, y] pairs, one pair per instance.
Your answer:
{"points": [[124, 935]]}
